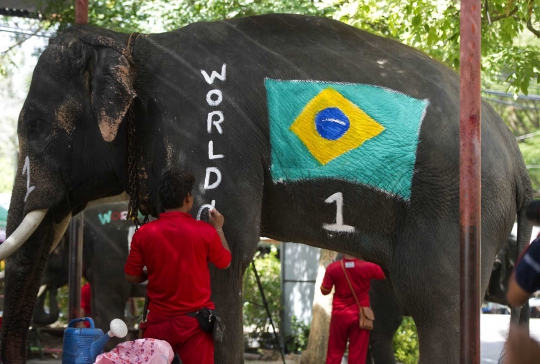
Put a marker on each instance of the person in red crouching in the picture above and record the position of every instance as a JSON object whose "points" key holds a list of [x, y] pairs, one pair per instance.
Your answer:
{"points": [[176, 250], [345, 311]]}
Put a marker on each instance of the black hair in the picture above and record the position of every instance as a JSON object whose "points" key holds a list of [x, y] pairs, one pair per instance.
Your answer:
{"points": [[174, 188]]}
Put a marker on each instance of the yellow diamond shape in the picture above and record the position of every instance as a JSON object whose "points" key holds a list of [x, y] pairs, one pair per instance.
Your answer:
{"points": [[362, 126]]}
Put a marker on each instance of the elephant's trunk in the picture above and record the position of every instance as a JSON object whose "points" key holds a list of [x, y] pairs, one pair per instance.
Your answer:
{"points": [[24, 269], [41, 317]]}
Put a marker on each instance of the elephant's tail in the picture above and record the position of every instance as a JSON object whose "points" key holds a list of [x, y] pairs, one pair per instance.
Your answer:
{"points": [[524, 197], [524, 228]]}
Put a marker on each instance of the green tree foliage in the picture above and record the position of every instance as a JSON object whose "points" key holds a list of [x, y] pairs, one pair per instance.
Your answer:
{"points": [[297, 341], [269, 269], [433, 26]]}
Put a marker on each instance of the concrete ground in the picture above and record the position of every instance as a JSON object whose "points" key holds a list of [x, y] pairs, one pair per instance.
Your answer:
{"points": [[493, 331]]}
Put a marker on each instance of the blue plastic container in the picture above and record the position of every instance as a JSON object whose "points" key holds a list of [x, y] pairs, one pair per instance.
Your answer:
{"points": [[82, 345]]}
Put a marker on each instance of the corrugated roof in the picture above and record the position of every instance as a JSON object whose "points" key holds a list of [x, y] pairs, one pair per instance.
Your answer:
{"points": [[19, 8]]}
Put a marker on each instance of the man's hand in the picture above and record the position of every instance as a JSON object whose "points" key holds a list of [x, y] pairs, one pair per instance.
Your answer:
{"points": [[516, 296], [520, 348], [216, 219]]}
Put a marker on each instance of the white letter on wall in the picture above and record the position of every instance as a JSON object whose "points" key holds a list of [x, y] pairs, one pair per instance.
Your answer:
{"points": [[211, 154], [210, 121], [207, 185], [210, 79], [211, 101], [206, 206], [338, 226]]}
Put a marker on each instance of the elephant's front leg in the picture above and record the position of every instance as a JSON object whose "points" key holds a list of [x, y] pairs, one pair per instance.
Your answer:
{"points": [[227, 295], [242, 233]]}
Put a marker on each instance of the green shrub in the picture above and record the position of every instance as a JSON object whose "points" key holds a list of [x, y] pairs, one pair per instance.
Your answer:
{"points": [[269, 269], [297, 341], [406, 342]]}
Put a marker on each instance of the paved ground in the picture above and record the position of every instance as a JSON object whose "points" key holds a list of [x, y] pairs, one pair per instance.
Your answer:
{"points": [[493, 331]]}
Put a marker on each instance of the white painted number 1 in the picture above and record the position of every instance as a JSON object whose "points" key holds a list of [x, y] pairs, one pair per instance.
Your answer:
{"points": [[338, 226], [26, 169]]}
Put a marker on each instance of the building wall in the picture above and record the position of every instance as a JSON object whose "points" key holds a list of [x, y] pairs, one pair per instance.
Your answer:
{"points": [[299, 265]]}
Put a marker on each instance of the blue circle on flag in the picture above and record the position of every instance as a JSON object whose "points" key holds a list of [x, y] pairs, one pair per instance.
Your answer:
{"points": [[331, 123]]}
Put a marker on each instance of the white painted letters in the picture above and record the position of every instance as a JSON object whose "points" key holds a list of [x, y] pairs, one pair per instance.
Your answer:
{"points": [[26, 169], [209, 171], [215, 117], [210, 79], [214, 101], [338, 226], [210, 120], [211, 154], [205, 206]]}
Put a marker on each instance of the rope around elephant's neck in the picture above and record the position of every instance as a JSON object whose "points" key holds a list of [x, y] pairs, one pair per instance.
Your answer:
{"points": [[133, 185]]}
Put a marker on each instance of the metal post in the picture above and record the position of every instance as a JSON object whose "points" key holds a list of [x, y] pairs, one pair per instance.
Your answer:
{"points": [[470, 182], [75, 266], [267, 309], [81, 11]]}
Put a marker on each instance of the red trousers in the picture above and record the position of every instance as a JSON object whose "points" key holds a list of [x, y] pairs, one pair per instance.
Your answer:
{"points": [[343, 326], [186, 338]]}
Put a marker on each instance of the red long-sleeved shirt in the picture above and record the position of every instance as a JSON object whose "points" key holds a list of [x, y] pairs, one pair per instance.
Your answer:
{"points": [[176, 250], [360, 273]]}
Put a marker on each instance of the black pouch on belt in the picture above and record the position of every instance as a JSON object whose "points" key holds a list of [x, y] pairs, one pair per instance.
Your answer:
{"points": [[206, 318], [210, 322]]}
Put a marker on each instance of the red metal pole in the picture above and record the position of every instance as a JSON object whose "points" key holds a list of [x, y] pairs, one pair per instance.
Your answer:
{"points": [[470, 182], [81, 11], [76, 225]]}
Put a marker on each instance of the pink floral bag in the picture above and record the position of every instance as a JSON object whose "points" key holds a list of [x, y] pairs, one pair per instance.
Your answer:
{"points": [[143, 351]]}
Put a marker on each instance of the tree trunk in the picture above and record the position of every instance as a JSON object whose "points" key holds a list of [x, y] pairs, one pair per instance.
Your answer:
{"points": [[322, 309]]}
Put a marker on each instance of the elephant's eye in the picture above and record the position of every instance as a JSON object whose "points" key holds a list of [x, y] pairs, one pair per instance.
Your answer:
{"points": [[37, 132], [35, 128]]}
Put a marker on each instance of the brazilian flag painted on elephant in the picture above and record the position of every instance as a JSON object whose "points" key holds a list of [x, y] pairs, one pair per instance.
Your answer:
{"points": [[356, 132]]}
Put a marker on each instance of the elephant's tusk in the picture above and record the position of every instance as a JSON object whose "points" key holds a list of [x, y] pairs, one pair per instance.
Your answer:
{"points": [[2, 275], [60, 230], [42, 289], [22, 233]]}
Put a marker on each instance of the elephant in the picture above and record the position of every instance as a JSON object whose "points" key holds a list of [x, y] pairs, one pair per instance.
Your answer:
{"points": [[389, 314], [296, 128], [106, 236], [54, 277]]}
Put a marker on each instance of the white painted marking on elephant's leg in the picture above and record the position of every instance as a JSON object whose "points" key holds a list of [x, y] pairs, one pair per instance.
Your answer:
{"points": [[205, 206], [210, 79], [214, 101], [209, 171], [211, 154], [338, 226], [26, 169], [210, 120]]}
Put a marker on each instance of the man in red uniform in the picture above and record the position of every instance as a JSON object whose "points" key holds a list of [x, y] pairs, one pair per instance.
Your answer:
{"points": [[86, 302], [345, 312], [176, 250]]}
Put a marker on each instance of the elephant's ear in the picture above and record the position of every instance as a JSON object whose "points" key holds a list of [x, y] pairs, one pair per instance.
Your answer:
{"points": [[112, 83]]}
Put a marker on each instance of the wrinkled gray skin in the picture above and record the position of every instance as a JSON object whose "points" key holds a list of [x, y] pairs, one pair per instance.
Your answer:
{"points": [[54, 277], [72, 130], [389, 314], [105, 250]]}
